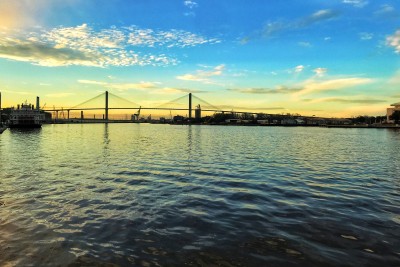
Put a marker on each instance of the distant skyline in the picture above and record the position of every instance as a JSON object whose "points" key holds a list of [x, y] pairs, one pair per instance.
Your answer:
{"points": [[337, 58]]}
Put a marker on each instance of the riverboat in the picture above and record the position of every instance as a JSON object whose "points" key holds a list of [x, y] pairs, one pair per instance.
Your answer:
{"points": [[2, 129], [26, 116]]}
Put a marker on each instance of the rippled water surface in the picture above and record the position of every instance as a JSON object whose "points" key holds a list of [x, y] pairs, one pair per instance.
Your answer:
{"points": [[162, 195]]}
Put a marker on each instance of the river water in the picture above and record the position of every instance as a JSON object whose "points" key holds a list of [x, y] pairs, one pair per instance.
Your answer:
{"points": [[165, 195]]}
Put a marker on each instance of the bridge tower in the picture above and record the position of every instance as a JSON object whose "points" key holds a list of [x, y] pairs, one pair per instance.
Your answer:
{"points": [[106, 109], [0, 108], [190, 106]]}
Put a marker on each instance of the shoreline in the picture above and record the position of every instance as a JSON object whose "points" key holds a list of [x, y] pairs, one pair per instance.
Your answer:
{"points": [[364, 126]]}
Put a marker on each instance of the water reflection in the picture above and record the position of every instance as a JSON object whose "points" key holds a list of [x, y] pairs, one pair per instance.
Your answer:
{"points": [[132, 194], [106, 142]]}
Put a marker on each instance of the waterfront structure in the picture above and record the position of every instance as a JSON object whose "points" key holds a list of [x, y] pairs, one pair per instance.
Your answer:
{"points": [[197, 113], [26, 116], [390, 111]]}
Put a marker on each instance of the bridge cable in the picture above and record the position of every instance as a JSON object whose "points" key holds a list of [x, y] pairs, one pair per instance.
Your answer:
{"points": [[212, 106], [136, 105], [87, 101]]}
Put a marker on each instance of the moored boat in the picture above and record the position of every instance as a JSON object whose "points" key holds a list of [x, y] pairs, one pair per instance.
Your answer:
{"points": [[26, 116], [2, 129]]}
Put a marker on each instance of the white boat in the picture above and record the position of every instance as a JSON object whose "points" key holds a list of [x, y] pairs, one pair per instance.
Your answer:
{"points": [[26, 116]]}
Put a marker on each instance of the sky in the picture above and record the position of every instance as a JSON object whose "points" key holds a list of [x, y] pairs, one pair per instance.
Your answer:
{"points": [[331, 58]]}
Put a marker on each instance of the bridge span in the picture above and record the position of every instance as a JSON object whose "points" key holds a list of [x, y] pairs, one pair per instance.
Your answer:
{"points": [[128, 105]]}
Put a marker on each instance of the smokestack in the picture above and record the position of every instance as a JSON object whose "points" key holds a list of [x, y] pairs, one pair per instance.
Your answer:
{"points": [[37, 103]]}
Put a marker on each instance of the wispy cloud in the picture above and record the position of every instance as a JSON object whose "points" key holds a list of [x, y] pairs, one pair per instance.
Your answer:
{"points": [[59, 95], [365, 36], [274, 28], [304, 44], [279, 90], [229, 107], [170, 90], [319, 72], [387, 11], [17, 92], [169, 39], [356, 3], [92, 82], [394, 41], [83, 45], [318, 16], [122, 86], [203, 75], [191, 5], [346, 100], [315, 86]]}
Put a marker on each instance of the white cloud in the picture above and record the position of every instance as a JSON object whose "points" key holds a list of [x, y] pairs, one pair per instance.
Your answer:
{"points": [[85, 46], [203, 75], [172, 38], [299, 68], [92, 82], [320, 71], [394, 41], [356, 3], [190, 4], [122, 86]]}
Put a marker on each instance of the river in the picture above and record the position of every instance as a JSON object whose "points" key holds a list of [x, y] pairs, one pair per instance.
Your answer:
{"points": [[173, 195]]}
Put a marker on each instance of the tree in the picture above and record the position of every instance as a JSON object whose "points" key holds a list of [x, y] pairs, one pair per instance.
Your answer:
{"points": [[395, 116]]}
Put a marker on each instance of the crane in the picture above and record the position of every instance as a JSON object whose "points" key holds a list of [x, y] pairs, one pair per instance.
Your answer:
{"points": [[135, 116]]}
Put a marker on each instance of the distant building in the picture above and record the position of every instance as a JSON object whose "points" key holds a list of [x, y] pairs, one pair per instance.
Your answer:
{"points": [[233, 120], [197, 113], [178, 118], [390, 111]]}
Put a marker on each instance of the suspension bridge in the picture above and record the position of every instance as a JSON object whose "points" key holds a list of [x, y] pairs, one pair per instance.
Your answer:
{"points": [[106, 106]]}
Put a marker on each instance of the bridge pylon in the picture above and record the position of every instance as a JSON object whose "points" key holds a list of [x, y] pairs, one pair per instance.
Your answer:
{"points": [[106, 108], [190, 106]]}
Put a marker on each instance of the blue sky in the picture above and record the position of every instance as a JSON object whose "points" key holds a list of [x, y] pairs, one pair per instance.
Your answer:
{"points": [[327, 58]]}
